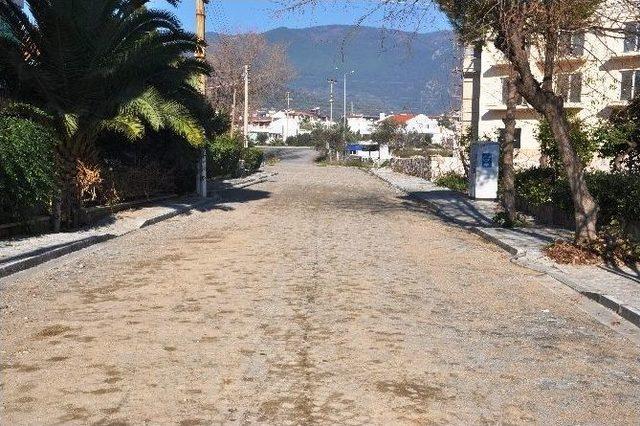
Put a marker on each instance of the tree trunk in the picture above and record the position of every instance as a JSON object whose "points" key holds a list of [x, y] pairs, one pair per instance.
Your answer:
{"points": [[508, 172], [551, 106], [68, 206], [585, 206]]}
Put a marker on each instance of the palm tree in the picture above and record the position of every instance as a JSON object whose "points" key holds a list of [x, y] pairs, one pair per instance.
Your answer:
{"points": [[84, 67]]}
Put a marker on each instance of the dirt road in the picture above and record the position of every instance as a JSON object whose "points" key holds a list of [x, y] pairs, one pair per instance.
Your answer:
{"points": [[322, 296]]}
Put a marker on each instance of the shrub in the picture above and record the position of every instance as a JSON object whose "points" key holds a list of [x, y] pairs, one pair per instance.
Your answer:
{"points": [[454, 181], [223, 156], [303, 139], [27, 168], [253, 158], [535, 185], [262, 138], [616, 193]]}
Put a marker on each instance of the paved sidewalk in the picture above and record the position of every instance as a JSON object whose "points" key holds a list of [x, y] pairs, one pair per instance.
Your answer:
{"points": [[23, 253], [615, 287]]}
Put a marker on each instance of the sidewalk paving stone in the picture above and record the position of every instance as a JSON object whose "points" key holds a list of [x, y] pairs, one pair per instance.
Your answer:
{"points": [[614, 286]]}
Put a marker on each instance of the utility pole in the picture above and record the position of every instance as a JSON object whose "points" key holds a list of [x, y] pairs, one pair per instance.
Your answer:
{"points": [[331, 100], [344, 105], [286, 118], [351, 108], [246, 106], [200, 54]]}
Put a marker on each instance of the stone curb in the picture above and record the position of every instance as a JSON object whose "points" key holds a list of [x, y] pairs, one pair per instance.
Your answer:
{"points": [[36, 260], [629, 313], [179, 211], [87, 242]]}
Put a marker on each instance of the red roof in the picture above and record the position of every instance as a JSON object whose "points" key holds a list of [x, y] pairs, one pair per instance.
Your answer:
{"points": [[401, 118]]}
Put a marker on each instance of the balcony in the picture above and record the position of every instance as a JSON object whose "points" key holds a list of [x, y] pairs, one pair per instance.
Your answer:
{"points": [[626, 55], [503, 107]]}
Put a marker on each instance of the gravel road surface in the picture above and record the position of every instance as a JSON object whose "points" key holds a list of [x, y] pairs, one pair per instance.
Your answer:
{"points": [[321, 296]]}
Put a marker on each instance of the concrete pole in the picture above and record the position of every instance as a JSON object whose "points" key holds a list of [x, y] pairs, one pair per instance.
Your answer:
{"points": [[200, 54], [344, 112], [331, 100], [246, 106]]}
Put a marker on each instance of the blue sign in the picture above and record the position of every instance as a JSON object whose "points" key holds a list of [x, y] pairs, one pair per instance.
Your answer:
{"points": [[487, 160]]}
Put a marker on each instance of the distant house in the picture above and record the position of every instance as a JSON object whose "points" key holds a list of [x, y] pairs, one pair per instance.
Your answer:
{"points": [[421, 124], [361, 124], [276, 126]]}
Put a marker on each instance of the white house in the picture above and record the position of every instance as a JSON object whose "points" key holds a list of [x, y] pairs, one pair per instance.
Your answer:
{"points": [[421, 124], [597, 74], [361, 124]]}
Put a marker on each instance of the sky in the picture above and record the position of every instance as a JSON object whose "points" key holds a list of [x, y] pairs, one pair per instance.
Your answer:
{"points": [[236, 16]]}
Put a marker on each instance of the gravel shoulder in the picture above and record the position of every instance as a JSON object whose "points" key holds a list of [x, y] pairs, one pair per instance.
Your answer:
{"points": [[319, 296]]}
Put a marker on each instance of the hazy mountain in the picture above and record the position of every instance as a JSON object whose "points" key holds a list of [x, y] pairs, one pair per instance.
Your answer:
{"points": [[394, 71]]}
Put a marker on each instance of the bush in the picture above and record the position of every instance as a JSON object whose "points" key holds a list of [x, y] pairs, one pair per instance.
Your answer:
{"points": [[27, 168], [303, 139], [223, 156], [253, 158], [616, 193], [454, 181]]}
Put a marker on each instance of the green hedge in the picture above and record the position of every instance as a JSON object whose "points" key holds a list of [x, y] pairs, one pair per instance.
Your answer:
{"points": [[253, 158], [453, 181], [27, 168], [618, 194], [223, 155]]}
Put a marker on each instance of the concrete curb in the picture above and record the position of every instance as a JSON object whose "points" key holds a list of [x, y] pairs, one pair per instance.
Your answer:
{"points": [[46, 256], [629, 313], [36, 260], [179, 211]]}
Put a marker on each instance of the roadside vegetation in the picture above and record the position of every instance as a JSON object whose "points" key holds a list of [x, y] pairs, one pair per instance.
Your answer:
{"points": [[100, 104]]}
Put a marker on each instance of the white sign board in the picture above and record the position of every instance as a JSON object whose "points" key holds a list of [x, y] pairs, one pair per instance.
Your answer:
{"points": [[484, 170]]}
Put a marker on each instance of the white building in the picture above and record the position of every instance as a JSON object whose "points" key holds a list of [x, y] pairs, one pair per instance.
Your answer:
{"points": [[361, 124], [596, 75], [421, 124]]}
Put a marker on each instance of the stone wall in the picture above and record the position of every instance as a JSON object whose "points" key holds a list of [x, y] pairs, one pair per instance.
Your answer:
{"points": [[413, 166], [430, 168]]}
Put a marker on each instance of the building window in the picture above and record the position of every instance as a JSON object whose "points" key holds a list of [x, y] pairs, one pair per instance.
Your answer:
{"points": [[570, 87], [571, 44], [517, 140], [632, 37], [630, 84], [505, 93]]}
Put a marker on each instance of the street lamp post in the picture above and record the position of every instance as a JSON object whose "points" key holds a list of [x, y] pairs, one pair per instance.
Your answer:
{"points": [[200, 54], [344, 105], [344, 116]]}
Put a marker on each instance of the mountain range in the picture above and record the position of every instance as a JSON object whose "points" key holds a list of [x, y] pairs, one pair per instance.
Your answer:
{"points": [[393, 70]]}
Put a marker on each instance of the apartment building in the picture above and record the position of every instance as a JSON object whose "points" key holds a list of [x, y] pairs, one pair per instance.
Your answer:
{"points": [[596, 74]]}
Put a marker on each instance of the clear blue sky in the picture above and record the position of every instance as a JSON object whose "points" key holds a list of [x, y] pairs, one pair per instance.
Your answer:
{"points": [[232, 16]]}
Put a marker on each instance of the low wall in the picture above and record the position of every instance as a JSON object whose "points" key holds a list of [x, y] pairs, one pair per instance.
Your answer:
{"points": [[429, 167], [413, 166], [442, 165]]}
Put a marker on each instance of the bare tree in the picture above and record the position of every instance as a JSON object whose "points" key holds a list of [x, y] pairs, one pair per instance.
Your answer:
{"points": [[270, 70]]}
